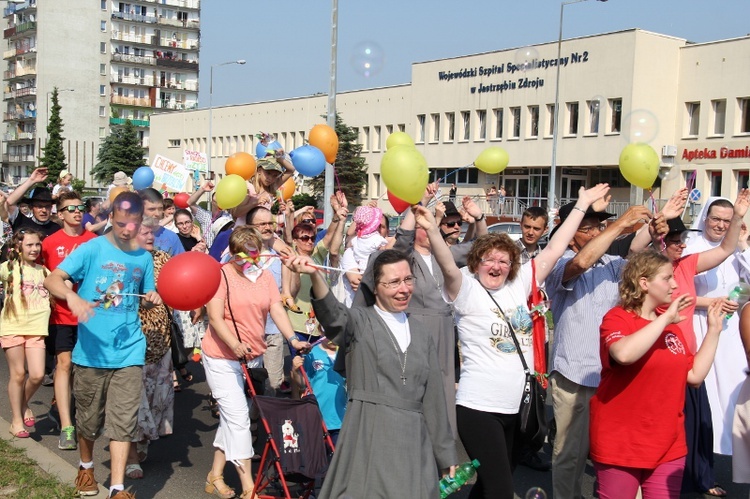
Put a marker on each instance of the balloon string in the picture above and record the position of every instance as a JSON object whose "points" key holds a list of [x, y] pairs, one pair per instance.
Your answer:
{"points": [[653, 210], [336, 176], [454, 171], [691, 181]]}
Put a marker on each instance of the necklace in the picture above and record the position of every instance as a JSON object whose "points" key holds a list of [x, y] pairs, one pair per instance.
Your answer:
{"points": [[398, 352]]}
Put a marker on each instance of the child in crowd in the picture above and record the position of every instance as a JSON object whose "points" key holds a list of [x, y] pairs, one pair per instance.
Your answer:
{"points": [[367, 241], [327, 385], [23, 325]]}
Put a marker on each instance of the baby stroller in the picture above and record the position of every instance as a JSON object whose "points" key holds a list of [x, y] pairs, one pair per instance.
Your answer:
{"points": [[295, 441]]}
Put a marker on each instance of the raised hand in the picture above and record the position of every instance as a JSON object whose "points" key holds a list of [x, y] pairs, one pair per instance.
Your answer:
{"points": [[423, 217], [589, 196], [601, 203], [678, 304], [716, 314], [439, 210], [676, 204], [471, 207], [39, 175], [301, 264], [742, 203], [634, 215], [342, 199]]}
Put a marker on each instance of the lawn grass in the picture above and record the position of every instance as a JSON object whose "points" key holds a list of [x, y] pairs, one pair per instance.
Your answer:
{"points": [[21, 478]]}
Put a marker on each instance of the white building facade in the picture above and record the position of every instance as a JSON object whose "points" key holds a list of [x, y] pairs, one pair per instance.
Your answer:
{"points": [[690, 102]]}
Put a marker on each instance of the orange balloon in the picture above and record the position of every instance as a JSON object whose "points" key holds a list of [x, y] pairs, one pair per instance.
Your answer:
{"points": [[242, 164], [115, 191], [324, 138], [287, 189]]}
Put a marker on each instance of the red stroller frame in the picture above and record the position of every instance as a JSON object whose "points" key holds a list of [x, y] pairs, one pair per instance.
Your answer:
{"points": [[270, 468]]}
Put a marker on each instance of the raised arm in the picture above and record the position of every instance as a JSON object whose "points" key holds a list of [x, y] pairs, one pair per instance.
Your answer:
{"points": [[38, 175], [195, 197], [548, 257], [440, 251], [480, 222], [713, 257]]}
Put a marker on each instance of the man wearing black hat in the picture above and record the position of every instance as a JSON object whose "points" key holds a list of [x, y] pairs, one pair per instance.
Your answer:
{"points": [[40, 202], [582, 287], [450, 224]]}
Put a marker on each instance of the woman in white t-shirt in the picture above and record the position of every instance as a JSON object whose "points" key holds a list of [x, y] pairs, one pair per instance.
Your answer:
{"points": [[492, 377]]}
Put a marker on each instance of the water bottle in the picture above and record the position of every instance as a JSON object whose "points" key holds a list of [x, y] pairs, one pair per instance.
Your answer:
{"points": [[733, 296], [464, 472]]}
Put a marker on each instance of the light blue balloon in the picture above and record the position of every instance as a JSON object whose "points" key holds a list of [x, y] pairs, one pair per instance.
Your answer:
{"points": [[261, 150], [308, 160], [143, 177]]}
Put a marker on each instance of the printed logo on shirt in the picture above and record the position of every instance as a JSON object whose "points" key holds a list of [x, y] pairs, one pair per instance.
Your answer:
{"points": [[290, 437], [674, 344], [500, 335], [612, 337], [318, 365]]}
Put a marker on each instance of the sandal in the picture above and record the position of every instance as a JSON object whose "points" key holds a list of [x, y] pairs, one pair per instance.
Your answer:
{"points": [[142, 451], [186, 375], [19, 433], [29, 421], [716, 491], [134, 471], [215, 485]]}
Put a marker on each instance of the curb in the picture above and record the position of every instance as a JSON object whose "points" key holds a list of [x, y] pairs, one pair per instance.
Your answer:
{"points": [[45, 459]]}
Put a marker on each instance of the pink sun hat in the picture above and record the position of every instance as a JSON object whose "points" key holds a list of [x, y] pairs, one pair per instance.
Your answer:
{"points": [[367, 219]]}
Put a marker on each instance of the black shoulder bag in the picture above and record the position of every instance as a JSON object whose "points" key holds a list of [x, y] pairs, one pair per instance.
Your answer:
{"points": [[532, 421], [179, 359]]}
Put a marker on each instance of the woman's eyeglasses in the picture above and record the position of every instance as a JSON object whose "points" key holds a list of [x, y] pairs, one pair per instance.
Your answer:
{"points": [[305, 238], [73, 208], [308, 221], [395, 283]]}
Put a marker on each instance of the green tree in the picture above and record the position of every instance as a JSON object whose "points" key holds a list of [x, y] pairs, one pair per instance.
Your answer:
{"points": [[120, 151], [304, 199], [53, 155], [351, 168]]}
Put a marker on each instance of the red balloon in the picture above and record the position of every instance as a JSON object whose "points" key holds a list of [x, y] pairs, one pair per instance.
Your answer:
{"points": [[398, 204], [181, 200], [189, 280]]}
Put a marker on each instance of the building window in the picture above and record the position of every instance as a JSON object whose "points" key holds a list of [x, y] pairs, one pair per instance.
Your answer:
{"points": [[435, 118], [742, 179], [102, 90], [533, 121], [572, 118], [103, 47], [593, 106], [102, 111], [365, 138], [515, 113], [693, 118], [719, 108], [103, 26], [466, 176], [482, 127], [498, 123], [388, 130], [375, 185], [551, 124], [104, 4], [102, 69], [377, 144], [615, 107], [420, 128], [450, 118], [401, 127], [715, 183], [466, 120], [174, 142], [744, 115], [102, 132]]}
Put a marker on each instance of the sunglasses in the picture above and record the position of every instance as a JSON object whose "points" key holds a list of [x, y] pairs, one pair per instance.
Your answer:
{"points": [[308, 221], [452, 224], [306, 238], [74, 207]]}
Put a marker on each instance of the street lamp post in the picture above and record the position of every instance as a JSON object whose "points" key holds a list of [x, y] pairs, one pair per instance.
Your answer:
{"points": [[553, 166], [210, 110]]}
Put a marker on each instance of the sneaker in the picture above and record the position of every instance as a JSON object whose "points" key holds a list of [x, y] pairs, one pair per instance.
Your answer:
{"points": [[122, 494], [86, 484], [68, 439]]}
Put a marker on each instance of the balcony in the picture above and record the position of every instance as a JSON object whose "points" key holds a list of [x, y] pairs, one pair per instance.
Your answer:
{"points": [[18, 158], [28, 115], [177, 106], [11, 136], [127, 37], [19, 92], [17, 7], [132, 80], [18, 72], [178, 44], [190, 86], [8, 32], [130, 101], [187, 4], [121, 121], [134, 59], [169, 62], [27, 26], [134, 17]]}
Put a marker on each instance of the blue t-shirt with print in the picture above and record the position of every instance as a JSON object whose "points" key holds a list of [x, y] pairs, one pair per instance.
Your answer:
{"points": [[112, 338], [327, 385], [167, 241]]}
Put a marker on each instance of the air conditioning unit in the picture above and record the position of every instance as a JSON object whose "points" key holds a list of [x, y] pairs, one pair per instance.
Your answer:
{"points": [[669, 151]]}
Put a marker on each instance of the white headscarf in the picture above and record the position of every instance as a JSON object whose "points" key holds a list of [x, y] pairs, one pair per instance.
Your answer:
{"points": [[700, 221]]}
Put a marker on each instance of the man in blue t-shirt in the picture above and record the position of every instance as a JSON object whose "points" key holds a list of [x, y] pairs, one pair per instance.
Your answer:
{"points": [[164, 239], [111, 271]]}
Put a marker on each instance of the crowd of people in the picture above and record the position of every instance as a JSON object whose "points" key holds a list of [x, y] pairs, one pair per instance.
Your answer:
{"points": [[410, 341]]}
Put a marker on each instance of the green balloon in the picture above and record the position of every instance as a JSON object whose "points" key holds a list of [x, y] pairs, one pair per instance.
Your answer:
{"points": [[231, 191], [405, 173], [492, 160], [639, 164], [398, 139]]}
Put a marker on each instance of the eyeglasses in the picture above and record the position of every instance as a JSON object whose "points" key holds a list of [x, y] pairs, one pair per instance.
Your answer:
{"points": [[307, 221], [489, 262], [679, 240], [718, 220], [42, 206], [395, 283], [73, 208], [186, 222], [452, 224], [586, 230], [264, 224], [305, 238]]}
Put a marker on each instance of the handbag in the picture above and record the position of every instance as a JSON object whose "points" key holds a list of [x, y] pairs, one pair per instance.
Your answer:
{"points": [[532, 421], [179, 359]]}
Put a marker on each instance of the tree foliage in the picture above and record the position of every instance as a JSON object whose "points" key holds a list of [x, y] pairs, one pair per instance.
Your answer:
{"points": [[350, 167], [53, 154], [120, 151], [303, 199]]}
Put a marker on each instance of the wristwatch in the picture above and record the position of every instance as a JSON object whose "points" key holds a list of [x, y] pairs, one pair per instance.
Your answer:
{"points": [[480, 218]]}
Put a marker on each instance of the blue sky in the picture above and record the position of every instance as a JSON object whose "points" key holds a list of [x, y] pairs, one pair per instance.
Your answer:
{"points": [[287, 43]]}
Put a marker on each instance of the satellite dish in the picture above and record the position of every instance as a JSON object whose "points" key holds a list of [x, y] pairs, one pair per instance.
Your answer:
{"points": [[32, 107]]}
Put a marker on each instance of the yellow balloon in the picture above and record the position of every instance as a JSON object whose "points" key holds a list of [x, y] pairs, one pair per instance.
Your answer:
{"points": [[398, 139], [639, 164], [231, 191], [492, 160], [405, 174]]}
